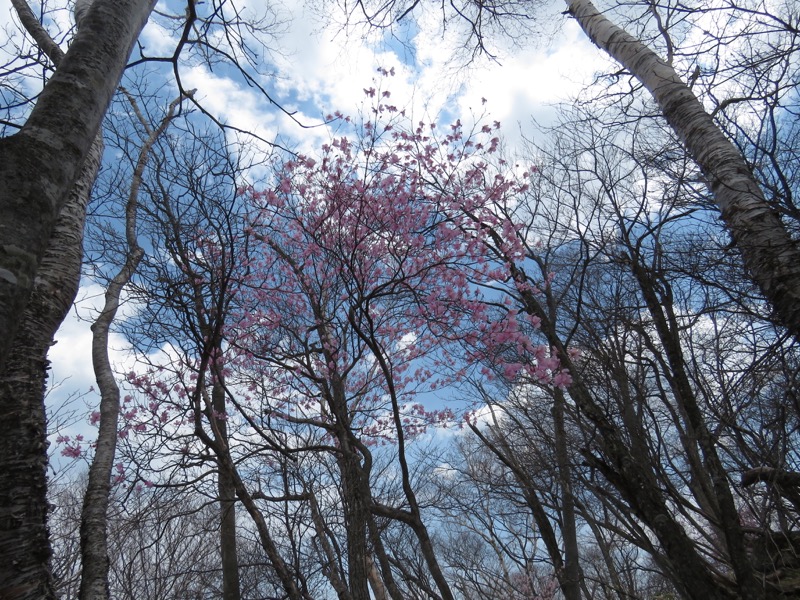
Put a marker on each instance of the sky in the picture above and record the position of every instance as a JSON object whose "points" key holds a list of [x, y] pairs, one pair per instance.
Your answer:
{"points": [[319, 67]]}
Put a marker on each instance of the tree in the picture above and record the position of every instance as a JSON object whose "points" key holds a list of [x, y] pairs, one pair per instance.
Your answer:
{"points": [[159, 543], [40, 164], [43, 159], [313, 308], [768, 247], [188, 282], [94, 552], [638, 274], [23, 378]]}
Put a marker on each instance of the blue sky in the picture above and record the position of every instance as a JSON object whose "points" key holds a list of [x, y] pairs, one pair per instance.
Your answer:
{"points": [[318, 68]]}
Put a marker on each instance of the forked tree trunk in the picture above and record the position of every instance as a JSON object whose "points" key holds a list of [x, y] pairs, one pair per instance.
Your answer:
{"points": [[725, 512], [771, 256], [356, 497], [499, 446], [330, 564]]}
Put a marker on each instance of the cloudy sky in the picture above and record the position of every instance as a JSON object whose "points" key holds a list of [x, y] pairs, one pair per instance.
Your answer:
{"points": [[318, 67]]}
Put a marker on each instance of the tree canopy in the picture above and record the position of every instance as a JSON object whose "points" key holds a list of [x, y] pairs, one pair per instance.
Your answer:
{"points": [[400, 350]]}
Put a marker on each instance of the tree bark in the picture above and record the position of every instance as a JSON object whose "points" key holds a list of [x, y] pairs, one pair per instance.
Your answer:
{"points": [[94, 542], [375, 582], [227, 503], [770, 255], [24, 540], [356, 494], [770, 475], [571, 579], [40, 163]]}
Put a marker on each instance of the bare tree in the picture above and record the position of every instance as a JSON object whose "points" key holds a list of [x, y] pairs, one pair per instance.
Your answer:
{"points": [[94, 552], [638, 274]]}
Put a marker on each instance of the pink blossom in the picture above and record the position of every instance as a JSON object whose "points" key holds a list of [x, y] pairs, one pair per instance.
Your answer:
{"points": [[562, 379], [71, 451]]}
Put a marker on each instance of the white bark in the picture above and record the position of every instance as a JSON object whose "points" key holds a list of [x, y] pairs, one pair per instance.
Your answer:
{"points": [[39, 164], [770, 255], [24, 540]]}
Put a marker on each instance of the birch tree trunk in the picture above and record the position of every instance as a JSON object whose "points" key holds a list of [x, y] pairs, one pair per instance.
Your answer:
{"points": [[771, 256], [40, 163], [24, 540]]}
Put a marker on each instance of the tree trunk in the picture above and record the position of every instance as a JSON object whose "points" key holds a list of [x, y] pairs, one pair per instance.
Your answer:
{"points": [[94, 543], [770, 255], [571, 578], [24, 542], [330, 564], [414, 516], [40, 163], [356, 500], [375, 582], [284, 572], [356, 508], [227, 503], [500, 447]]}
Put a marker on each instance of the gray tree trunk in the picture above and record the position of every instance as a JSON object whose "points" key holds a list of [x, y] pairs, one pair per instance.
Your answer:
{"points": [[771, 256], [24, 541], [94, 541], [227, 502], [40, 163], [375, 582]]}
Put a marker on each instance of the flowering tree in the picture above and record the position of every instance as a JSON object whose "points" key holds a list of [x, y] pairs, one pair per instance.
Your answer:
{"points": [[326, 309], [364, 295]]}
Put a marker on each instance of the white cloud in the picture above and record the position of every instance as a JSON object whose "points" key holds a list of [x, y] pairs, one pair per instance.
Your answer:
{"points": [[231, 102], [320, 70], [325, 70], [156, 40], [71, 378]]}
